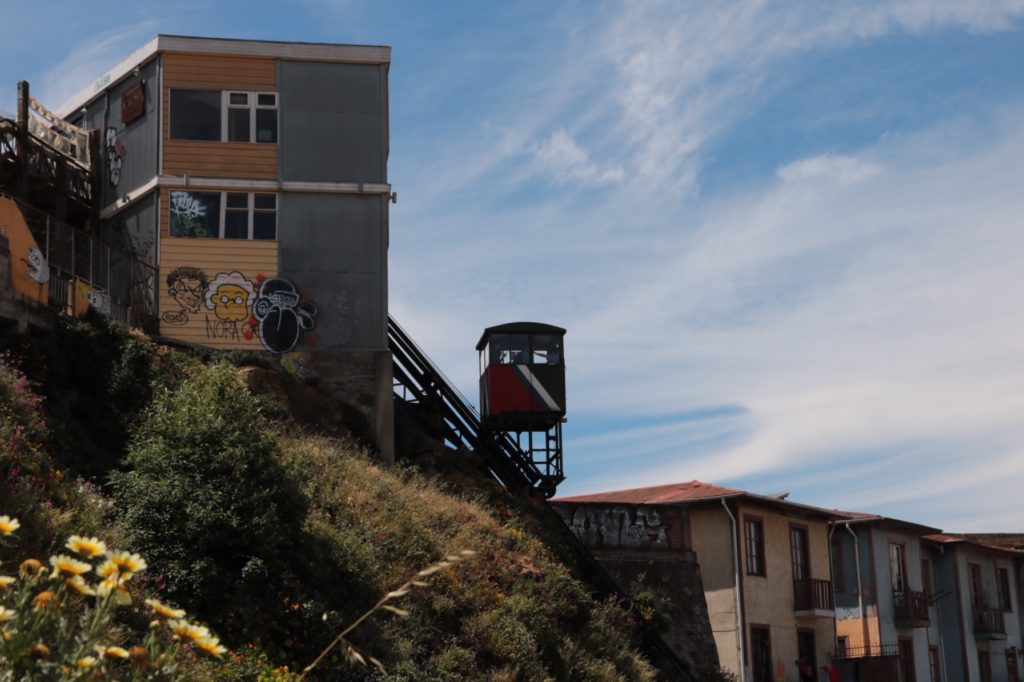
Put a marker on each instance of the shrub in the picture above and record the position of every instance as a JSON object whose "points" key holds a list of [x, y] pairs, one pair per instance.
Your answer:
{"points": [[205, 497]]}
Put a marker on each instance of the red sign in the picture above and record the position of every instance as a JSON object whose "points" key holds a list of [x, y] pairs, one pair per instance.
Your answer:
{"points": [[133, 103]]}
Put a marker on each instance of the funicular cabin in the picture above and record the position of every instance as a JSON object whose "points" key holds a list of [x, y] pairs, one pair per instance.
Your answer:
{"points": [[522, 389]]}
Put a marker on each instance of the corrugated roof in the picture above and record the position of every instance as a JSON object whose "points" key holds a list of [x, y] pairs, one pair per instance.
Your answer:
{"points": [[658, 494], [949, 538], [852, 516]]}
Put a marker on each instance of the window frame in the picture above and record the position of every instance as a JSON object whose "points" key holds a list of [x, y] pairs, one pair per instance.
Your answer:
{"points": [[250, 211], [252, 104], [758, 523], [976, 583], [898, 562], [1003, 589]]}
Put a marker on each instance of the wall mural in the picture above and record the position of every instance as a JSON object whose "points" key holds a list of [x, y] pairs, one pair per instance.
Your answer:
{"points": [[115, 156], [236, 308], [100, 302], [38, 270], [629, 527]]}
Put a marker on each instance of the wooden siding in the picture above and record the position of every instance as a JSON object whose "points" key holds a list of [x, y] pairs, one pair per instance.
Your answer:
{"points": [[204, 323], [217, 159]]}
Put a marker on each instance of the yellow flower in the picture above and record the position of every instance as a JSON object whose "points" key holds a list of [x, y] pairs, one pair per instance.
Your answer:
{"points": [[86, 662], [6, 581], [8, 525], [210, 645], [40, 650], [7, 614], [127, 563], [62, 563], [30, 567], [113, 585], [114, 651], [87, 547], [45, 599], [78, 584], [164, 610], [185, 629]]}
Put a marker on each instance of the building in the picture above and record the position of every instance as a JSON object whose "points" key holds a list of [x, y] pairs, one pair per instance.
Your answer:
{"points": [[763, 564], [979, 608], [887, 624], [252, 177]]}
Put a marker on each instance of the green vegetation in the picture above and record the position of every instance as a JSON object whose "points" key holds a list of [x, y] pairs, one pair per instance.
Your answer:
{"points": [[279, 537]]}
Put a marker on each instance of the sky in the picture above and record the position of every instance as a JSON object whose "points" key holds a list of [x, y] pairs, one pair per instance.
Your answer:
{"points": [[786, 238]]}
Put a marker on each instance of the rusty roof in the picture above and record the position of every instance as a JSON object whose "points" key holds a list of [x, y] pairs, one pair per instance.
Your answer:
{"points": [[861, 517], [950, 538], [658, 494]]}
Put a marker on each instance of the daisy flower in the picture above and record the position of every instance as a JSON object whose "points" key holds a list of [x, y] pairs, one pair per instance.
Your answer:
{"points": [[127, 563], [210, 645], [6, 581], [8, 525], [7, 614], [78, 584], [87, 547], [164, 610], [188, 630], [62, 563], [86, 662]]}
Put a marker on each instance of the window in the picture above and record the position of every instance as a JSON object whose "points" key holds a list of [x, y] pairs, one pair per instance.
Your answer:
{"points": [[798, 549], [761, 654], [897, 568], [250, 117], [1012, 669], [984, 665], [195, 114], [842, 646], [976, 594], [906, 659], [838, 578], [926, 578], [753, 531], [1003, 584], [243, 215], [934, 664], [223, 116]]}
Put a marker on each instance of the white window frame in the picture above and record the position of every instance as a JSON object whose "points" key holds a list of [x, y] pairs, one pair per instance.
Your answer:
{"points": [[252, 104], [250, 211]]}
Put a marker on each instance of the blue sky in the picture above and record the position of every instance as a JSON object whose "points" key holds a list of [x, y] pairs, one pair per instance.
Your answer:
{"points": [[786, 238]]}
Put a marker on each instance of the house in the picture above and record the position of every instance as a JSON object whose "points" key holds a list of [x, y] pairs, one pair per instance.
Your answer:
{"points": [[887, 624], [979, 608], [251, 177], [763, 560]]}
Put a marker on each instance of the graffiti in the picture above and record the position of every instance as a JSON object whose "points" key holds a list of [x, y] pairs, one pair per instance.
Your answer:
{"points": [[281, 318], [115, 156], [187, 214], [187, 286], [229, 296], [100, 302], [38, 271], [296, 365], [627, 527]]}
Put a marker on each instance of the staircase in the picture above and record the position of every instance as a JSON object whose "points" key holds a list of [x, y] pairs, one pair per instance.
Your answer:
{"points": [[419, 381]]}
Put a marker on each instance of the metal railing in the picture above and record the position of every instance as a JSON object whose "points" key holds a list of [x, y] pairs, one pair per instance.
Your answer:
{"points": [[81, 264], [812, 595], [868, 651], [911, 606], [988, 621]]}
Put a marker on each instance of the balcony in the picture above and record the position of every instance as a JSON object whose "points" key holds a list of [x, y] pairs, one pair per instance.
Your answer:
{"points": [[911, 609], [813, 598], [989, 623]]}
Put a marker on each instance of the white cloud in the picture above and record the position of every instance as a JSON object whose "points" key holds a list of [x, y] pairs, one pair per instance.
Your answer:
{"points": [[564, 160], [830, 167]]}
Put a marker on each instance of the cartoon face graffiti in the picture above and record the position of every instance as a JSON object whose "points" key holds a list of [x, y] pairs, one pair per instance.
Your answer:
{"points": [[282, 319], [187, 286], [228, 296], [38, 271]]}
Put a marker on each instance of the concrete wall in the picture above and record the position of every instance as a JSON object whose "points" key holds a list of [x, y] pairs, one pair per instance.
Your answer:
{"points": [[334, 122], [711, 534]]}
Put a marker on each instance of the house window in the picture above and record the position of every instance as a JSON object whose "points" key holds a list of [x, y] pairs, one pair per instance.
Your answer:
{"points": [[228, 215], [934, 664], [842, 646], [753, 530], [195, 115], [984, 665], [906, 660], [229, 116], [976, 594], [926, 578], [761, 664], [1012, 670], [897, 568], [1003, 583], [250, 117], [799, 553]]}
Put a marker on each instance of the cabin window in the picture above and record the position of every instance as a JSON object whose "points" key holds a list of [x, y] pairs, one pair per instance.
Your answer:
{"points": [[546, 349], [230, 116], [753, 531], [195, 115], [228, 215]]}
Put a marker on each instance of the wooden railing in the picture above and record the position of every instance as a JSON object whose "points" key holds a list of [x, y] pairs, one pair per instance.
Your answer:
{"points": [[911, 608], [812, 595]]}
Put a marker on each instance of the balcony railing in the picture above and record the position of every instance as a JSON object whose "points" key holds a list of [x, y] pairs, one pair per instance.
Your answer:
{"points": [[911, 608], [812, 595], [988, 621]]}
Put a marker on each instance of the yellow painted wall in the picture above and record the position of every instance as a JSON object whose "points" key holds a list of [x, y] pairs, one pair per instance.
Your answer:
{"points": [[711, 535], [25, 254]]}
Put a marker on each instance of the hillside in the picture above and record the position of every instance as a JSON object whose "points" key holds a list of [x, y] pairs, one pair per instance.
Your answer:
{"points": [[260, 513]]}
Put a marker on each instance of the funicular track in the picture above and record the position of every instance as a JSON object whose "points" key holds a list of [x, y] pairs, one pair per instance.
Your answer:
{"points": [[418, 380]]}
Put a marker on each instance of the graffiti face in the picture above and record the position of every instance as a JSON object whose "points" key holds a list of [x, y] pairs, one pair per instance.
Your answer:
{"points": [[282, 319], [187, 286], [115, 156], [231, 302]]}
